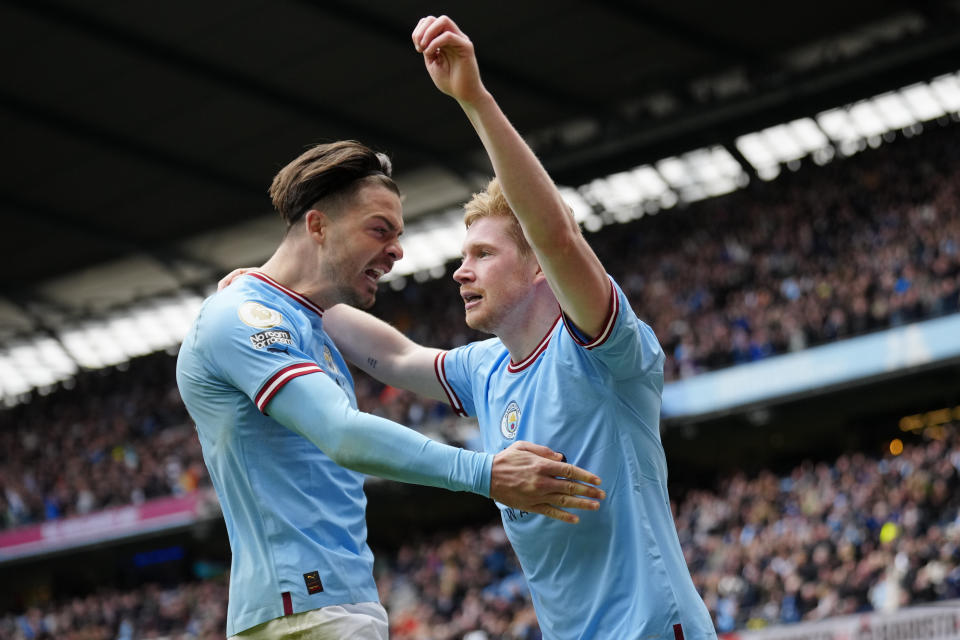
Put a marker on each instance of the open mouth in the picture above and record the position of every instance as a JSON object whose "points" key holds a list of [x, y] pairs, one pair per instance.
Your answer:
{"points": [[471, 299], [374, 274]]}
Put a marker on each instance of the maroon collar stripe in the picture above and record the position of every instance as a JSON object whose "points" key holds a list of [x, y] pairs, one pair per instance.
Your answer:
{"points": [[514, 367], [299, 297]]}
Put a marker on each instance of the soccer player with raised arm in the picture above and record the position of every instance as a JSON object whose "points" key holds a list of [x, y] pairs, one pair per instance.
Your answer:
{"points": [[278, 423], [571, 367]]}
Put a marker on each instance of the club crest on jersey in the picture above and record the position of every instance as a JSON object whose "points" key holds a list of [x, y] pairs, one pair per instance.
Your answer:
{"points": [[256, 315], [328, 359], [510, 421]]}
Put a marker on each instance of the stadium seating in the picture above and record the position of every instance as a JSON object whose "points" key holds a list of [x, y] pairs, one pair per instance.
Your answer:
{"points": [[819, 255]]}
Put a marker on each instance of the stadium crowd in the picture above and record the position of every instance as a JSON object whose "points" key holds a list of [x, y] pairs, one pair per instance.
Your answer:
{"points": [[818, 255], [827, 539], [821, 254], [856, 534], [195, 610], [118, 437]]}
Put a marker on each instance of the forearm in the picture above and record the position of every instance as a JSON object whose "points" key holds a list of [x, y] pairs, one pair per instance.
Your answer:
{"points": [[382, 351], [574, 272], [527, 186], [317, 409]]}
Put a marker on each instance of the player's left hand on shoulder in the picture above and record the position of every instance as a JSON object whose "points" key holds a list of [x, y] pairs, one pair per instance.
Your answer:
{"points": [[226, 280]]}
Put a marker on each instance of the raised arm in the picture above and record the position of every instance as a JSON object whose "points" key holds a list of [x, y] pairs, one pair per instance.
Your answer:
{"points": [[573, 270], [383, 352]]}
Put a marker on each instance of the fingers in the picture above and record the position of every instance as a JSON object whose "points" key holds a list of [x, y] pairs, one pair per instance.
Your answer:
{"points": [[539, 449], [552, 512], [450, 41], [418, 32], [553, 507], [428, 30], [572, 502], [230, 277], [563, 469], [571, 488], [573, 472], [442, 25]]}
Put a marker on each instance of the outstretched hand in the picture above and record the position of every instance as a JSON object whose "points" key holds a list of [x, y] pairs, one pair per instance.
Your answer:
{"points": [[449, 57], [533, 478], [233, 275]]}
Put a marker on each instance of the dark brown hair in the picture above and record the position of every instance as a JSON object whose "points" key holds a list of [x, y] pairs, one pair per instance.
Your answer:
{"points": [[328, 174]]}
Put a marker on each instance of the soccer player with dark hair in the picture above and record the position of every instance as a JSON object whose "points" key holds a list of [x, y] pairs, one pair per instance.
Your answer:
{"points": [[278, 423]]}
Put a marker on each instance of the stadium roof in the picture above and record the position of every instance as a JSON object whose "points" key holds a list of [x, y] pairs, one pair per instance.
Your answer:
{"points": [[140, 137]]}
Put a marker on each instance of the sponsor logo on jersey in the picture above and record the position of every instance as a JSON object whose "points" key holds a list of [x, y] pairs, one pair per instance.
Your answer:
{"points": [[256, 315], [264, 339], [312, 580], [510, 421]]}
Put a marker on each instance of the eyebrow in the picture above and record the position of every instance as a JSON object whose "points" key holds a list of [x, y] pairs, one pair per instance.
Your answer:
{"points": [[474, 246], [382, 218]]}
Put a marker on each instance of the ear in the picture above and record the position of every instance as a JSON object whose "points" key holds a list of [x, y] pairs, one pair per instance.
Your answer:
{"points": [[538, 273], [317, 225]]}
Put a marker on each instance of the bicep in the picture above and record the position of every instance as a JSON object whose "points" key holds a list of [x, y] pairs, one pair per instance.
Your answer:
{"points": [[417, 372]]}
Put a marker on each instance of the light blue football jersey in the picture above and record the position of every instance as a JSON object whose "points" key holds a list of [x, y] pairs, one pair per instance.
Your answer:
{"points": [[620, 573], [296, 520]]}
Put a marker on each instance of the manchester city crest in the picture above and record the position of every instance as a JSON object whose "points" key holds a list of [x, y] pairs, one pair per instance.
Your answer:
{"points": [[328, 359], [510, 421]]}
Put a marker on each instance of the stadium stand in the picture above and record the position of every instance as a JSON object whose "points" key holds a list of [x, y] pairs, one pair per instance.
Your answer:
{"points": [[119, 437], [820, 255], [853, 535]]}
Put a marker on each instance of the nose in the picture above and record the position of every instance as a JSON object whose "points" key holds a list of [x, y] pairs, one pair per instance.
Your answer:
{"points": [[394, 250], [463, 273]]}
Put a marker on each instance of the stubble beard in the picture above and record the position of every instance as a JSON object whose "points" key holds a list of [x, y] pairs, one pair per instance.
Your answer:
{"points": [[347, 292], [485, 323]]}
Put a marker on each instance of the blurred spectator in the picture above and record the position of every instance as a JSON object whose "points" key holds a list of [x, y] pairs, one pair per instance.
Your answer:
{"points": [[856, 535], [191, 610], [819, 255], [119, 437]]}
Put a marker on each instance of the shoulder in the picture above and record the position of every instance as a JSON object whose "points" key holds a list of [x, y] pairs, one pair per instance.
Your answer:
{"points": [[491, 349], [473, 360], [245, 305], [626, 346], [247, 315]]}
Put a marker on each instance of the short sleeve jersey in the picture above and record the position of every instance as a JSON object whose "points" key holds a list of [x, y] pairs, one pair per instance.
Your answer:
{"points": [[296, 520], [619, 573]]}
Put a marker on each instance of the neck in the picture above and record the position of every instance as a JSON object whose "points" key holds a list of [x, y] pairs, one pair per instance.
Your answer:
{"points": [[522, 333], [294, 265]]}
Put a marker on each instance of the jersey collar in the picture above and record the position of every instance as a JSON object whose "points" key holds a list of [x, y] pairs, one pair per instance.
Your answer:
{"points": [[298, 297], [515, 367]]}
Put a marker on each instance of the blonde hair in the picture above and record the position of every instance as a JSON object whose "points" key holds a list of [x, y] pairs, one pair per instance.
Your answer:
{"points": [[491, 203]]}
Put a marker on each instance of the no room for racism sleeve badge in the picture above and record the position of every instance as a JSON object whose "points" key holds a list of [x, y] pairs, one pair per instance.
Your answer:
{"points": [[510, 421]]}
